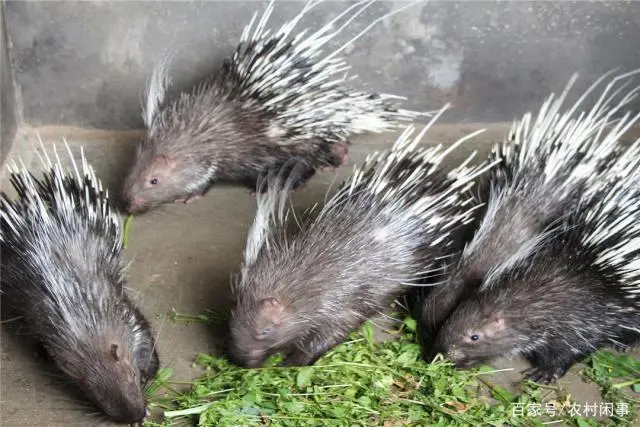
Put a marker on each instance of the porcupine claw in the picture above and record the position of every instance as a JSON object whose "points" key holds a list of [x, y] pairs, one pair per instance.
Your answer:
{"points": [[340, 155], [40, 353], [621, 348], [188, 200], [539, 375], [147, 414]]}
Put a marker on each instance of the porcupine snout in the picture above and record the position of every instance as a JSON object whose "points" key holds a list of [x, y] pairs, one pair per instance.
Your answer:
{"points": [[131, 413], [456, 355], [135, 205]]}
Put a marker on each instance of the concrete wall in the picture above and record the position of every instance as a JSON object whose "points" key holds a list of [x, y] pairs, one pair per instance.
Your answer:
{"points": [[8, 104], [86, 63]]}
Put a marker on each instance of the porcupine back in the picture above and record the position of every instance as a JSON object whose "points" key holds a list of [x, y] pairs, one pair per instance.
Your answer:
{"points": [[382, 229], [62, 271], [280, 96], [576, 290], [546, 164]]}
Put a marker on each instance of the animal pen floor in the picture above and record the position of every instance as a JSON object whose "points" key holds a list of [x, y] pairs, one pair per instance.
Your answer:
{"points": [[182, 258]]}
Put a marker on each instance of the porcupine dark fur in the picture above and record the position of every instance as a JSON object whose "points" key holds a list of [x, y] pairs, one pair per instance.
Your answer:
{"points": [[62, 271], [278, 101], [574, 291], [303, 293], [547, 162]]}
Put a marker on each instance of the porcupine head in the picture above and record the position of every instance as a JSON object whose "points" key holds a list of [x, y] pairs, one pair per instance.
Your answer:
{"points": [[111, 366], [269, 315], [158, 176], [95, 335], [475, 333], [111, 379], [259, 328], [278, 97]]}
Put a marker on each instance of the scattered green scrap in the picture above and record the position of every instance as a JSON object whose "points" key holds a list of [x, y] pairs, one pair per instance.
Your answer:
{"points": [[618, 377], [125, 235], [211, 318]]}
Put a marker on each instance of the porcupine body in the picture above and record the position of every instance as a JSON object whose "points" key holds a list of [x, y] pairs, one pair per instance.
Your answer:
{"points": [[303, 293], [574, 290], [547, 162], [279, 98], [62, 272]]}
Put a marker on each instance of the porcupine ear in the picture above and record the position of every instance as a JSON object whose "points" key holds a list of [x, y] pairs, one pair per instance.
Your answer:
{"points": [[166, 161], [494, 324], [116, 351], [270, 314]]}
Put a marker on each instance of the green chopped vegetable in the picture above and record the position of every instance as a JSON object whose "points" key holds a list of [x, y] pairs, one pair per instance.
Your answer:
{"points": [[364, 382], [125, 234]]}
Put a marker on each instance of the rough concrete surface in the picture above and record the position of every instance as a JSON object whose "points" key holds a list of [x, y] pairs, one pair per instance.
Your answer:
{"points": [[85, 63], [182, 258], [81, 65], [8, 105]]}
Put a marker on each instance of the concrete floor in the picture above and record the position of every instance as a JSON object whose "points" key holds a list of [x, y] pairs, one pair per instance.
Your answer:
{"points": [[182, 258]]}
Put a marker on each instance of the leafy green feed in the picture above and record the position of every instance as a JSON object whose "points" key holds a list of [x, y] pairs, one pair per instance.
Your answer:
{"points": [[364, 382]]}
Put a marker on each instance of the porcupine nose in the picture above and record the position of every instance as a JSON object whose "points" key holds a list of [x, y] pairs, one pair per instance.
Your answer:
{"points": [[132, 414], [135, 205]]}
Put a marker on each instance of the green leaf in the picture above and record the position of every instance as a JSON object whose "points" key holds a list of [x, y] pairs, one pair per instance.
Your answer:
{"points": [[350, 393], [410, 324], [125, 233], [339, 412], [485, 369], [164, 374], [582, 422], [364, 401], [367, 382], [250, 397], [294, 407], [367, 332], [407, 357], [303, 378]]}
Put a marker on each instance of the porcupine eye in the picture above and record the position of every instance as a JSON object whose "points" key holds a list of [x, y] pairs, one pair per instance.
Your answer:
{"points": [[264, 332], [154, 181], [475, 337]]}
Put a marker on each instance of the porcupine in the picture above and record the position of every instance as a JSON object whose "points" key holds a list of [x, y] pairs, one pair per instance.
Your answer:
{"points": [[303, 294], [279, 98], [574, 289], [546, 163], [62, 272]]}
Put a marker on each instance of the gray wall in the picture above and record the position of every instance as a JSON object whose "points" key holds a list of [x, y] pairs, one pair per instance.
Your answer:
{"points": [[8, 104], [85, 63]]}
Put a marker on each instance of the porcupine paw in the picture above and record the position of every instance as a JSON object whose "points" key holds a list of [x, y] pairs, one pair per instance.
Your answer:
{"points": [[620, 348], [339, 157], [293, 360], [188, 200], [40, 353], [297, 185], [298, 358], [301, 177], [541, 375]]}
